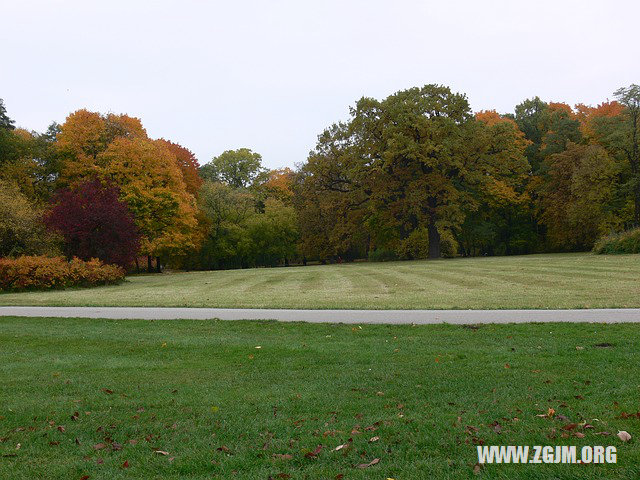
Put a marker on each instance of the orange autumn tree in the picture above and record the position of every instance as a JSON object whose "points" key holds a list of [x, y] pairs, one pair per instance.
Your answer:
{"points": [[84, 135], [116, 149], [587, 114], [151, 184], [188, 165], [279, 185]]}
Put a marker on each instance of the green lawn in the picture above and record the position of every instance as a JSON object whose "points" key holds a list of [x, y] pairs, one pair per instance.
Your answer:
{"points": [[85, 397], [534, 281]]}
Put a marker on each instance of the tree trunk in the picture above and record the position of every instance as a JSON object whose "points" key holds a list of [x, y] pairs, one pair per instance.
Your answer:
{"points": [[149, 264], [158, 269], [434, 239]]}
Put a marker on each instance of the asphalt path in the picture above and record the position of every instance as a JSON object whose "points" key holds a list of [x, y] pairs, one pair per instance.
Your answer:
{"points": [[622, 315]]}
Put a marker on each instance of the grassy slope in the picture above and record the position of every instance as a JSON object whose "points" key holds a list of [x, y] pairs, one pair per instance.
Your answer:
{"points": [[308, 385], [535, 281]]}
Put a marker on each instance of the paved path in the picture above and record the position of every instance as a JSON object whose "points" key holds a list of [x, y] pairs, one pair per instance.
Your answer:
{"points": [[336, 316]]}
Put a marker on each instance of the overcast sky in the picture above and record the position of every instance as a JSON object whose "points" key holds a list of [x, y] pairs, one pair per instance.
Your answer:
{"points": [[271, 75]]}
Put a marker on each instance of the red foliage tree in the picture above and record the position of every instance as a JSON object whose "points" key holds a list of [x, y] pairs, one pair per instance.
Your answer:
{"points": [[94, 223]]}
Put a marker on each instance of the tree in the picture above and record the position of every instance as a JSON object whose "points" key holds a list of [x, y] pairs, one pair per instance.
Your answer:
{"points": [[227, 210], [21, 229], [578, 197], [188, 164], [94, 223], [274, 233], [237, 168], [116, 149], [6, 123], [151, 185], [629, 97], [278, 184], [84, 135]]}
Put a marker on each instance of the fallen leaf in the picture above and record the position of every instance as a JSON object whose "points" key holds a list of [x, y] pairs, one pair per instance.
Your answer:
{"points": [[570, 426], [61, 428], [99, 446], [314, 453], [85, 477], [283, 456], [579, 434], [624, 436], [161, 452], [374, 439], [477, 468], [115, 446], [340, 447], [370, 464], [125, 464], [75, 416], [107, 391]]}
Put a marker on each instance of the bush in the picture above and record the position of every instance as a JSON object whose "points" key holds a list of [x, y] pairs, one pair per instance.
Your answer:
{"points": [[44, 273], [616, 243], [382, 255]]}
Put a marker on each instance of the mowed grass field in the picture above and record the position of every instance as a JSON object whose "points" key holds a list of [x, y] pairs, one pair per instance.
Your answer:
{"points": [[533, 281], [106, 399]]}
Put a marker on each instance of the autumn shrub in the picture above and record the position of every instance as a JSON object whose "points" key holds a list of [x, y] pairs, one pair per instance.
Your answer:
{"points": [[617, 243], [44, 273]]}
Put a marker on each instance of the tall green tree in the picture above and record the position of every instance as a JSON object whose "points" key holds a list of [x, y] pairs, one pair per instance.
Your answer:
{"points": [[237, 168], [629, 141]]}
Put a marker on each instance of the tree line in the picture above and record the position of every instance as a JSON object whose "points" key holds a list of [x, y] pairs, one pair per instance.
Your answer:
{"points": [[414, 175]]}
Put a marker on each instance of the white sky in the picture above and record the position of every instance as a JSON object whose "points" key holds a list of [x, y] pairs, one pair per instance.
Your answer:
{"points": [[270, 75]]}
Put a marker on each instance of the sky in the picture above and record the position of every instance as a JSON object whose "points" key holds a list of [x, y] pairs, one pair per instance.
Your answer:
{"points": [[271, 75]]}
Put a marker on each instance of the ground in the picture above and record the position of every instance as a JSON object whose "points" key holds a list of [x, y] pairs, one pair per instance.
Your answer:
{"points": [[533, 281], [256, 400]]}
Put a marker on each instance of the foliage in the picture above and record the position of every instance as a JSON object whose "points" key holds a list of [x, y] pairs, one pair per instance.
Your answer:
{"points": [[152, 186], [188, 164], [150, 177], [239, 235], [623, 242], [95, 223], [415, 161], [21, 229], [237, 168], [577, 199], [44, 273]]}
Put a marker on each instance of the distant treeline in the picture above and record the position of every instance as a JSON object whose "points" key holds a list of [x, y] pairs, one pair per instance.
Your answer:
{"points": [[414, 175]]}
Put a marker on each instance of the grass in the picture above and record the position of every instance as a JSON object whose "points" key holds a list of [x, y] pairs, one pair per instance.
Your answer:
{"points": [[82, 397], [534, 281]]}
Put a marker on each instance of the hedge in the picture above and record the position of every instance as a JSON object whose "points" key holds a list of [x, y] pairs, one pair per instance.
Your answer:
{"points": [[45, 273], [624, 242]]}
